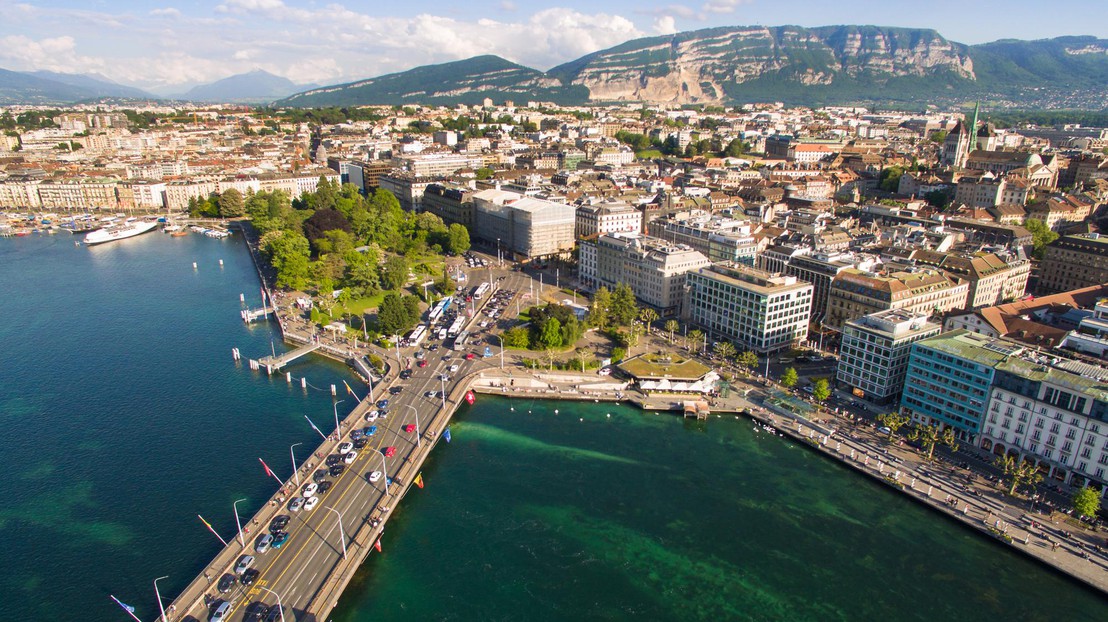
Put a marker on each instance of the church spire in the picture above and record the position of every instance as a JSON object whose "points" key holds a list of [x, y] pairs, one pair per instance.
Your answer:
{"points": [[973, 129]]}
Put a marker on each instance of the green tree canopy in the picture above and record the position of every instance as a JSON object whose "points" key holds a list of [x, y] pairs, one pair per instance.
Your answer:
{"points": [[1041, 236], [550, 334], [1086, 502], [600, 309], [623, 308], [394, 315], [747, 359], [394, 272], [458, 237], [789, 378], [892, 420], [821, 389], [231, 204]]}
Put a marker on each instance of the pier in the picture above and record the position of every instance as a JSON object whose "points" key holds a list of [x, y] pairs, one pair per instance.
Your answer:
{"points": [[275, 363], [250, 315]]}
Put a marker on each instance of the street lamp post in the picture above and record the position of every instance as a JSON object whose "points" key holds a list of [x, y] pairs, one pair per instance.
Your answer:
{"points": [[295, 473], [342, 534], [158, 595], [442, 383], [499, 262], [418, 444], [235, 505], [338, 432], [280, 607], [385, 473], [501, 350]]}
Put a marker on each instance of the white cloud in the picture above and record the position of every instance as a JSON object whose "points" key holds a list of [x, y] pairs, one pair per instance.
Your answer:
{"points": [[53, 54], [722, 6], [665, 25], [507, 5], [166, 12]]}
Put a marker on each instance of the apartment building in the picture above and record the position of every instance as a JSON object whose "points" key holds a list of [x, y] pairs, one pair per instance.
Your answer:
{"points": [[1074, 262], [607, 217], [453, 204], [527, 227], [993, 279], [757, 310], [654, 269], [719, 238], [855, 293], [873, 356]]}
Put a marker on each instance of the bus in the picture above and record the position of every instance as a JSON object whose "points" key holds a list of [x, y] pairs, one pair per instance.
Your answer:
{"points": [[456, 327], [442, 334], [416, 336], [480, 290], [460, 340], [436, 311]]}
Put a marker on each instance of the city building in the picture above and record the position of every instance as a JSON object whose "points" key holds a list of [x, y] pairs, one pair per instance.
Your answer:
{"points": [[452, 204], [949, 378], [607, 217], [1073, 262], [873, 356], [993, 278], [855, 293], [1053, 412], [757, 310], [654, 269], [720, 238], [526, 227], [1091, 335]]}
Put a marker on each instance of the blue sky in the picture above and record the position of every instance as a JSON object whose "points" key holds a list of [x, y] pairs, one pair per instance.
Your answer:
{"points": [[169, 44]]}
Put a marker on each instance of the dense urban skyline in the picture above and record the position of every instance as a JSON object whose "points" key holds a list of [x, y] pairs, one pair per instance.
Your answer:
{"points": [[169, 46]]}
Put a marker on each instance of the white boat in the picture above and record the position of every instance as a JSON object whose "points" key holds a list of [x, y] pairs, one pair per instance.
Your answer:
{"points": [[119, 232]]}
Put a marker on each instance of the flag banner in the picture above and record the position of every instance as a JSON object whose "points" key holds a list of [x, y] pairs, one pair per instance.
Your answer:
{"points": [[128, 608], [419, 480], [265, 466], [446, 434], [377, 545]]}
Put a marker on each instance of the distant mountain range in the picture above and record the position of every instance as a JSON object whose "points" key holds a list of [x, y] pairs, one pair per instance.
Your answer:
{"points": [[254, 87], [811, 66], [731, 65], [47, 87]]}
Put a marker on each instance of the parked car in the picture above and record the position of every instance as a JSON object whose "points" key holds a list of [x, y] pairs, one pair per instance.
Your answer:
{"points": [[261, 545], [309, 489], [310, 503], [390, 451], [351, 456], [244, 564], [226, 582], [296, 504], [375, 476]]}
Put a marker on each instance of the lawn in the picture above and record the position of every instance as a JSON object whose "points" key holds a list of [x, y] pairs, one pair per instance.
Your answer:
{"points": [[664, 366]]}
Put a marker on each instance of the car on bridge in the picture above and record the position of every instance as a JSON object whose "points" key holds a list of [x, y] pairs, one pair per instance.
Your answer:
{"points": [[250, 576], [319, 475], [256, 612], [382, 403], [361, 441], [221, 611], [275, 614], [409, 428], [371, 430], [405, 374], [371, 415], [338, 470], [356, 434], [423, 363], [345, 448], [244, 564], [374, 476], [324, 486], [279, 522], [296, 504], [226, 582], [429, 394], [470, 356], [261, 545], [333, 459], [310, 503], [390, 451], [280, 538], [310, 489], [454, 368], [350, 457]]}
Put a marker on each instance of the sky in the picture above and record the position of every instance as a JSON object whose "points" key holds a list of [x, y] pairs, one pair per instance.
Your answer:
{"points": [[168, 45]]}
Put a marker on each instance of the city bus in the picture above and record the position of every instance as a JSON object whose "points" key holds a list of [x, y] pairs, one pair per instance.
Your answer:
{"points": [[460, 340], [416, 336]]}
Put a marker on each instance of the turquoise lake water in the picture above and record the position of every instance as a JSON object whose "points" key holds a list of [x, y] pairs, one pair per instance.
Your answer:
{"points": [[122, 417]]}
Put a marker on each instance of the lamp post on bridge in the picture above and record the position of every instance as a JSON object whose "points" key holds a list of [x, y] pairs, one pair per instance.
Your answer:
{"points": [[295, 472], [280, 607], [338, 432], [501, 350], [158, 595], [342, 534], [235, 506], [385, 473], [442, 382]]}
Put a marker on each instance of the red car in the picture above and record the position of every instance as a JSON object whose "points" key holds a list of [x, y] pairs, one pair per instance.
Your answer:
{"points": [[409, 428], [423, 363], [470, 356], [390, 451]]}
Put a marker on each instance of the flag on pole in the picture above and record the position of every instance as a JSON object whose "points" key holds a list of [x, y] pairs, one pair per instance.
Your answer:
{"points": [[211, 529], [128, 608], [377, 545], [351, 391], [315, 428], [446, 434], [265, 466], [419, 480]]}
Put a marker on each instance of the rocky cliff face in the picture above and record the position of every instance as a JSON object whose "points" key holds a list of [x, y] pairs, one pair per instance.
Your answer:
{"points": [[711, 66]]}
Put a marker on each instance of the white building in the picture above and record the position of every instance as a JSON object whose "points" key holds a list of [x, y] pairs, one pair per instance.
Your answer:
{"points": [[873, 356], [654, 269], [757, 310], [607, 217], [528, 227]]}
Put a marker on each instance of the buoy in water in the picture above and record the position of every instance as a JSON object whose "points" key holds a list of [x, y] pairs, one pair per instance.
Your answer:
{"points": [[194, 265], [555, 411], [221, 262]]}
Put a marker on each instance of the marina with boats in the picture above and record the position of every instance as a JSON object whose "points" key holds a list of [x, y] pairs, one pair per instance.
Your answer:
{"points": [[98, 229]]}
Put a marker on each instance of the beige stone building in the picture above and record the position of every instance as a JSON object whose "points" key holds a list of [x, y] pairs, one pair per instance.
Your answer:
{"points": [[654, 269], [855, 293], [1073, 262]]}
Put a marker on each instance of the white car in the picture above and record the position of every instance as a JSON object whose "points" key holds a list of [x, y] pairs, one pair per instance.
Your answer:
{"points": [[454, 368], [605, 371], [310, 489], [296, 504], [310, 503], [375, 476], [351, 456], [371, 415], [346, 448]]}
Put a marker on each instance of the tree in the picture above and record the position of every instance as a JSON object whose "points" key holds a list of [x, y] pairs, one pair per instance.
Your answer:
{"points": [[939, 136], [724, 350], [648, 316], [392, 316], [484, 173], [929, 436], [394, 272], [458, 237], [550, 334], [821, 390], [1020, 472], [231, 204], [288, 254], [747, 360], [600, 308], [892, 420], [1086, 502], [325, 220], [623, 305], [671, 328], [695, 339], [890, 178], [789, 378], [1041, 236], [517, 337]]}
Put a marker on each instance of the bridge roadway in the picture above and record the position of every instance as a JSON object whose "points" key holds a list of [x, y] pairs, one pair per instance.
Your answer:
{"points": [[308, 571]]}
